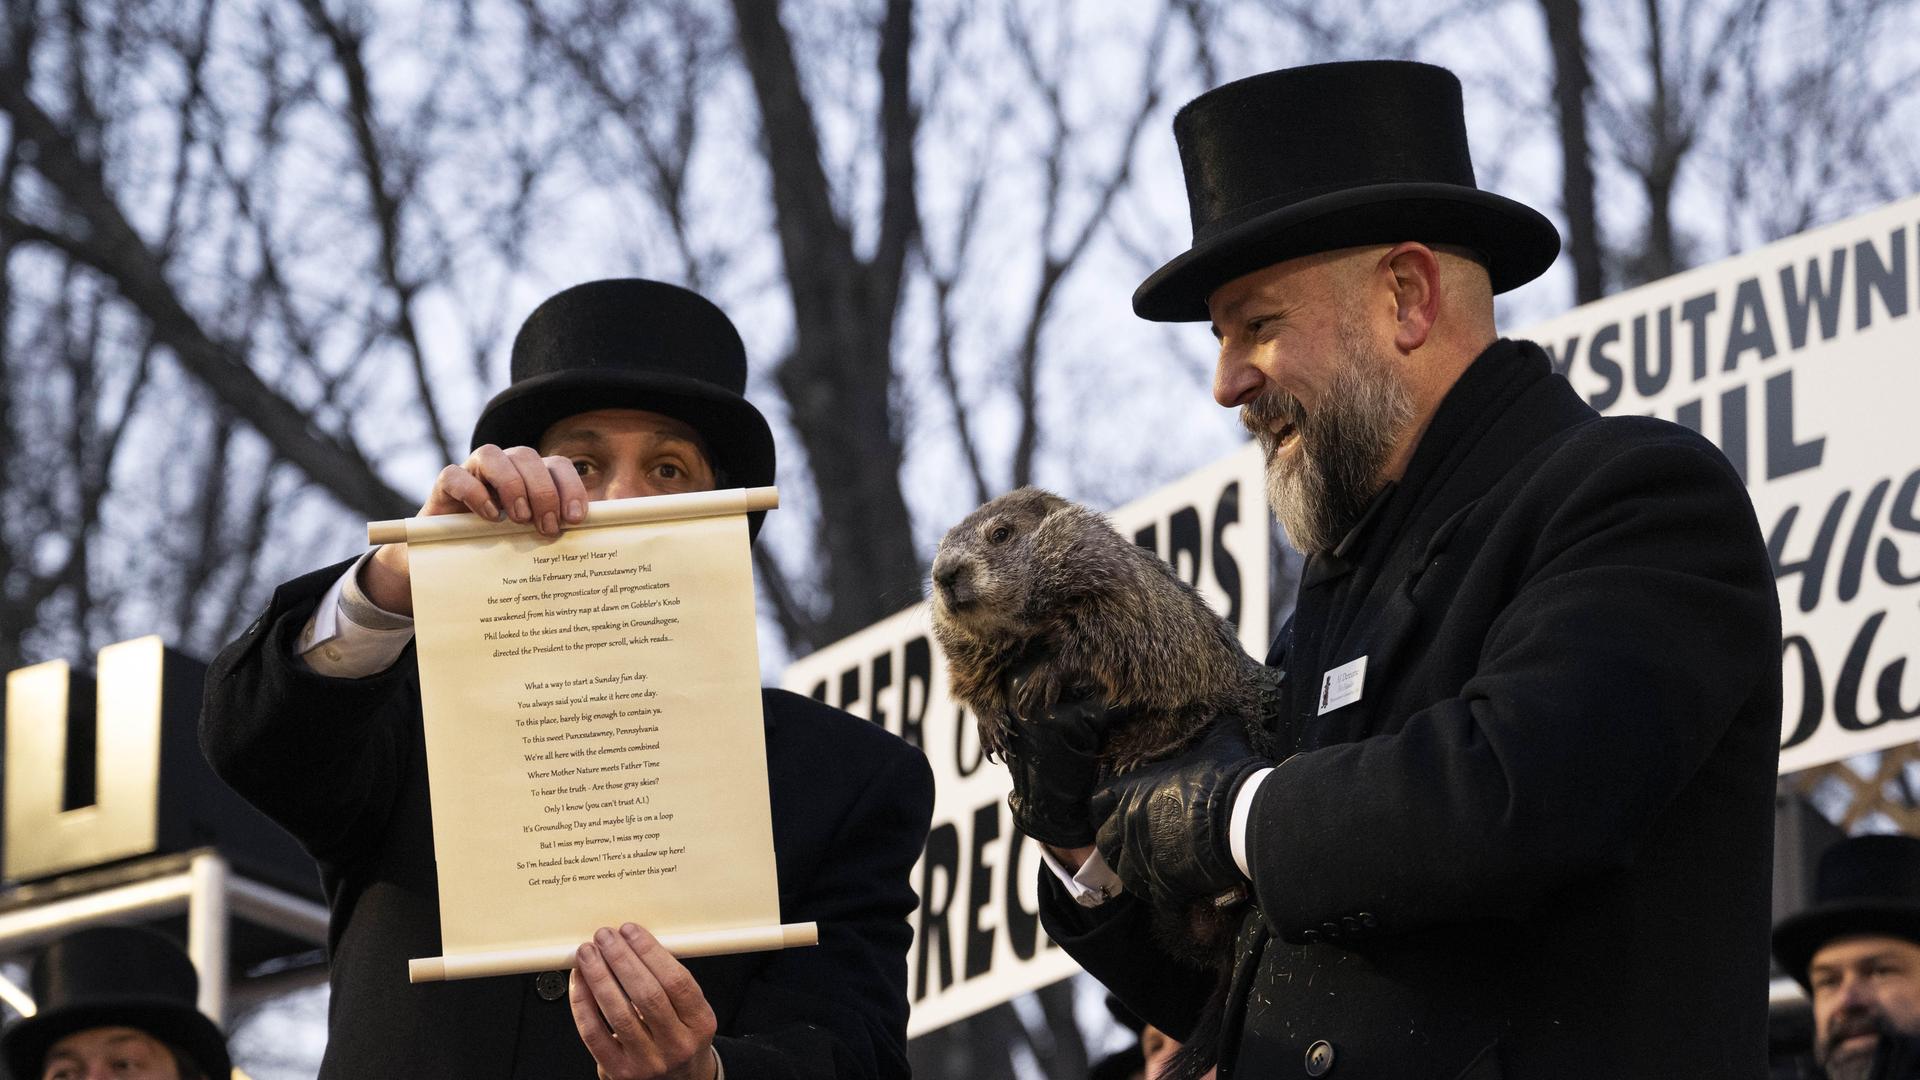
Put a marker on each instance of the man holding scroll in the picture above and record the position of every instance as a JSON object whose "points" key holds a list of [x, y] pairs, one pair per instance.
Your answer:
{"points": [[621, 388]]}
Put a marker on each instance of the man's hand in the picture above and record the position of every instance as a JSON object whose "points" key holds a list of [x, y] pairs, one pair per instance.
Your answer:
{"points": [[639, 1011], [1054, 759], [1163, 827], [544, 491]]}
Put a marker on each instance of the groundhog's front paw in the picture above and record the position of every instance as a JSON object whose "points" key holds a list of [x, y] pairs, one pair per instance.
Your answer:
{"points": [[1036, 691], [995, 727]]}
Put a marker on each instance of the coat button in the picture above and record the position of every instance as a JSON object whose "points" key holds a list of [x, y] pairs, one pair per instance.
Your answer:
{"points": [[1311, 937], [1332, 930], [1369, 920], [1320, 1058], [1351, 925], [551, 985]]}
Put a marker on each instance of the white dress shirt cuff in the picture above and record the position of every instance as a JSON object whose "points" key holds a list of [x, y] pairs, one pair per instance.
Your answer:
{"points": [[1237, 823], [349, 637], [1093, 885]]}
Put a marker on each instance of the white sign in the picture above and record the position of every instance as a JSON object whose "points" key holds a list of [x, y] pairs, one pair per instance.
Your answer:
{"points": [[1801, 361], [977, 937]]}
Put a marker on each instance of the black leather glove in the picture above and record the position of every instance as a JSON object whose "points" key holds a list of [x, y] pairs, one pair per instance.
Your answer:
{"points": [[1163, 827], [1054, 759]]}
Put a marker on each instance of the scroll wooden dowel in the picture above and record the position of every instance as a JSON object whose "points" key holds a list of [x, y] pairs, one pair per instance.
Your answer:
{"points": [[692, 504], [560, 957]]}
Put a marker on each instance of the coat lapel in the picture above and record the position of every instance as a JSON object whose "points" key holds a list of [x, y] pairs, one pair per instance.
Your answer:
{"points": [[1503, 408]]}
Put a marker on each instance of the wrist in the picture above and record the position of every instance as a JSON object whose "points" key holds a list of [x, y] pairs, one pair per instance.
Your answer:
{"points": [[386, 580], [1071, 858]]}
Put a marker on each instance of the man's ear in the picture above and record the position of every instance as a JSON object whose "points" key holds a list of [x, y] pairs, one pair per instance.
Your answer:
{"points": [[1415, 273]]}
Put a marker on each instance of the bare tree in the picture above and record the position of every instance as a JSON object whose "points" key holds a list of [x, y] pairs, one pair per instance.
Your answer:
{"points": [[1572, 82]]}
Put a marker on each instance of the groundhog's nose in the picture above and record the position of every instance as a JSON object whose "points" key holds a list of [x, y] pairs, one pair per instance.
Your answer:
{"points": [[951, 581]]}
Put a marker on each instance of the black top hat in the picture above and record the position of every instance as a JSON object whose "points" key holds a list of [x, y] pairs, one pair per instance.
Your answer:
{"points": [[628, 343], [114, 976], [1313, 159], [1865, 885]]}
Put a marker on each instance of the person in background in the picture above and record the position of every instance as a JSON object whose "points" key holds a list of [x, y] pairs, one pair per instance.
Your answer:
{"points": [[115, 1003], [1856, 951]]}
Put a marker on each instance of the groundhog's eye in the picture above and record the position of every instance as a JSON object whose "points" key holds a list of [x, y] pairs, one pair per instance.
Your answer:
{"points": [[999, 534]]}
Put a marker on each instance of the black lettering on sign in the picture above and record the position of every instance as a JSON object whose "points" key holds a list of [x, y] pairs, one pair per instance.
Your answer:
{"points": [[1813, 568], [986, 829], [1183, 544], [916, 691], [1605, 366], [1022, 923], [882, 679], [1813, 692], [935, 934], [1890, 700], [1853, 565], [1887, 280], [1876, 511], [1226, 571], [1733, 428], [1785, 454], [850, 690], [1901, 516], [968, 754], [876, 697], [1694, 313], [1817, 297], [1853, 671], [1190, 541], [1650, 376], [1562, 358], [1751, 331]]}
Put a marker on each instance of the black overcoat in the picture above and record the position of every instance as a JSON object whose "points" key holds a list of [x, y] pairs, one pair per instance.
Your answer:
{"points": [[1539, 845], [342, 765]]}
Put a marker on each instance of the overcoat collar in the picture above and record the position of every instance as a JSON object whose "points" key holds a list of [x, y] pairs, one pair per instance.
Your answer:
{"points": [[1475, 437]]}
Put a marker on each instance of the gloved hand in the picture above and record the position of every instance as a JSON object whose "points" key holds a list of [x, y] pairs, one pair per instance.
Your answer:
{"points": [[1054, 759], [1163, 827]]}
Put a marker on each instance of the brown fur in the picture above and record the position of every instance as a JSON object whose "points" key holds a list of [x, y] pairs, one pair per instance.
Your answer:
{"points": [[1033, 578]]}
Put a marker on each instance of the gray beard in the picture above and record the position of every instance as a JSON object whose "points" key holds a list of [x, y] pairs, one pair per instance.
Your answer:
{"points": [[1321, 489], [1853, 1068]]}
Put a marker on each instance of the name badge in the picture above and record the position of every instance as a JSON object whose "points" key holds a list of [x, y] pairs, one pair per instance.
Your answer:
{"points": [[1342, 685]]}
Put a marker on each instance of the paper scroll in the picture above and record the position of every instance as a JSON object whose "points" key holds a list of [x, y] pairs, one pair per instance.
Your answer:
{"points": [[595, 747]]}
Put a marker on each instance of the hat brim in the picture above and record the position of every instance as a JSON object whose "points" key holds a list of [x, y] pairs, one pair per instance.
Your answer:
{"points": [[25, 1045], [1518, 242], [736, 435], [1800, 935]]}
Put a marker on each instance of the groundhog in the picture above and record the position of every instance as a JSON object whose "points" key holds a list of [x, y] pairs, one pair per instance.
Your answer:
{"points": [[1033, 579]]}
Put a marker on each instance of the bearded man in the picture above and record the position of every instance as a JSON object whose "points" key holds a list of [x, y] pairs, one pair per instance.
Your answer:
{"points": [[1856, 952], [1532, 680]]}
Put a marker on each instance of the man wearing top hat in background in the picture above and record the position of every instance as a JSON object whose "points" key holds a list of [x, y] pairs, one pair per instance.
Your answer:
{"points": [[1856, 952], [620, 388], [1532, 686], [115, 1002]]}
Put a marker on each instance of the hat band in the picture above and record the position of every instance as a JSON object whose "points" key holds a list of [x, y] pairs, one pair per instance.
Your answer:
{"points": [[1246, 212]]}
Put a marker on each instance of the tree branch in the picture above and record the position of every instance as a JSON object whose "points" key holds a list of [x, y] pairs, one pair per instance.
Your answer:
{"points": [[115, 250]]}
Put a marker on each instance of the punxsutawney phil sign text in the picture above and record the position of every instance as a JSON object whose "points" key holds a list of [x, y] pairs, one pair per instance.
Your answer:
{"points": [[1801, 361]]}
